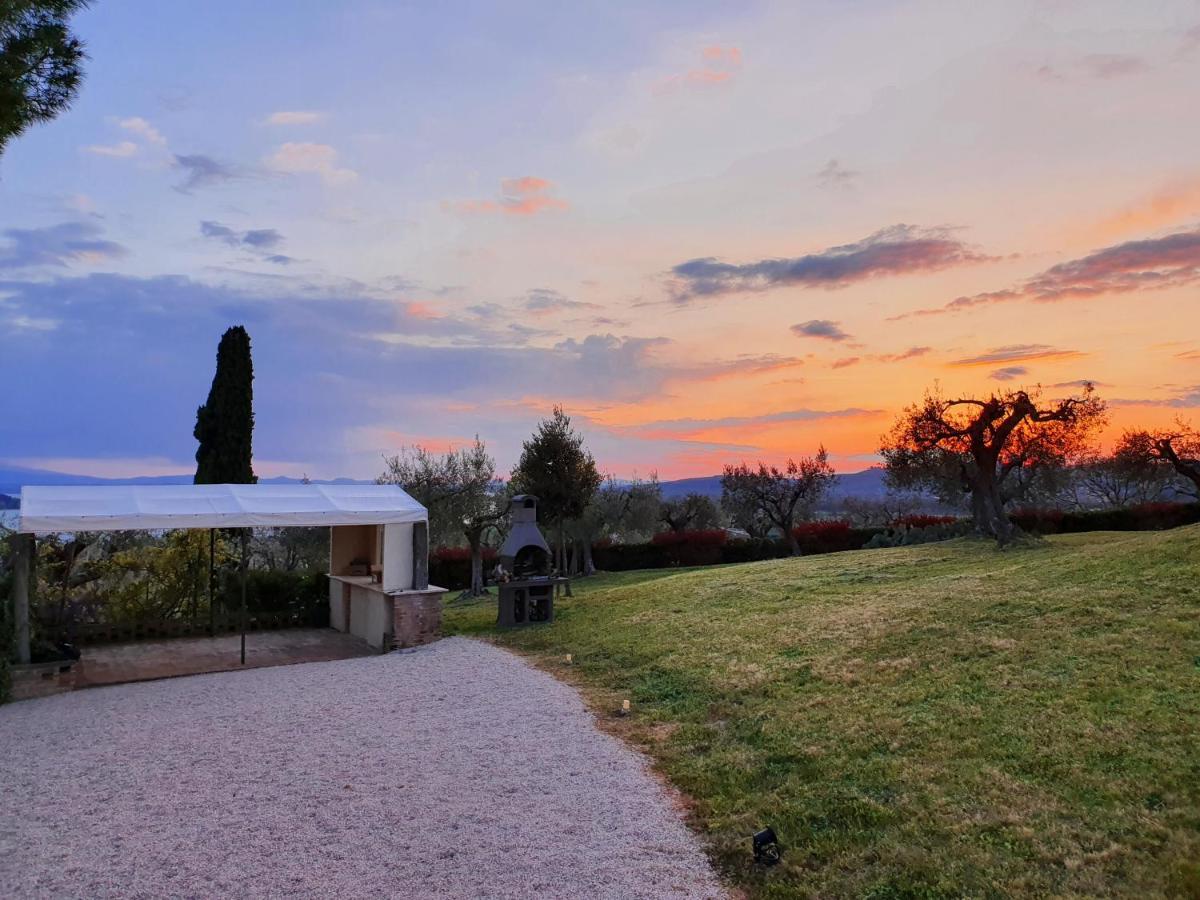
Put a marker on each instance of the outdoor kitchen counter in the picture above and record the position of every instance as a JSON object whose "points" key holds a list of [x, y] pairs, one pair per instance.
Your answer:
{"points": [[360, 581], [384, 619]]}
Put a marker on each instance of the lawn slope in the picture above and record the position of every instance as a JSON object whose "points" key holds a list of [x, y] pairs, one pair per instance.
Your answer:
{"points": [[921, 722]]}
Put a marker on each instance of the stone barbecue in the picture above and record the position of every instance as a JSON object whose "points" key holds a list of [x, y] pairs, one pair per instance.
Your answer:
{"points": [[525, 574]]}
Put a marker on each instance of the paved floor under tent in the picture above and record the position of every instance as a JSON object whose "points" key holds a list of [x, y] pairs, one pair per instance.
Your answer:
{"points": [[452, 770], [144, 660]]}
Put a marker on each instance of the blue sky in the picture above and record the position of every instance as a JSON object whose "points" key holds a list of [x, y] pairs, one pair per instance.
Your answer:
{"points": [[712, 230]]}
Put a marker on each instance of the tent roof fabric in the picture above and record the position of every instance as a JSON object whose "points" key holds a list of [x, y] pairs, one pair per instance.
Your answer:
{"points": [[157, 507]]}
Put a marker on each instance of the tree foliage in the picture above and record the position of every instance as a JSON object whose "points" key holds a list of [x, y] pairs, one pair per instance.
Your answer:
{"points": [[40, 62], [290, 549], [691, 512], [621, 512], [460, 490], [557, 469], [1177, 447], [225, 423], [782, 496], [995, 450]]}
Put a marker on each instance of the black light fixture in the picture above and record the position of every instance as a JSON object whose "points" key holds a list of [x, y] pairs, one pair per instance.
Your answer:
{"points": [[766, 847]]}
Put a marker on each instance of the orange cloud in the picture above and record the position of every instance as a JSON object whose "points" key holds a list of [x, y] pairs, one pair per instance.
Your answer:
{"points": [[744, 367], [718, 53], [1166, 207]]}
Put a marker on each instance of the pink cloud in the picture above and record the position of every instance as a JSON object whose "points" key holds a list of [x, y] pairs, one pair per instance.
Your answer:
{"points": [[524, 196], [718, 66], [419, 310]]}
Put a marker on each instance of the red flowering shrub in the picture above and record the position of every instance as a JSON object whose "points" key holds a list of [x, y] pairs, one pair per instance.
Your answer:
{"points": [[920, 520], [823, 536], [461, 554]]}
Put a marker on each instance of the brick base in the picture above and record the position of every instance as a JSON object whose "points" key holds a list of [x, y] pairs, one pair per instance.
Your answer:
{"points": [[42, 679], [417, 617]]}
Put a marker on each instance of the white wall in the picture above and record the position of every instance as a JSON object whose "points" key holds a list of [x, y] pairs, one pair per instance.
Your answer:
{"points": [[371, 615], [397, 557]]}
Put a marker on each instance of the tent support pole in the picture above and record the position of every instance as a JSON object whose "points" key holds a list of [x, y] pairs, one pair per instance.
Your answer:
{"points": [[25, 546], [212, 555], [245, 542]]}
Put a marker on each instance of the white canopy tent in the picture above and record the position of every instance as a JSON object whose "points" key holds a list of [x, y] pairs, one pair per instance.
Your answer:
{"points": [[75, 508], [46, 510]]}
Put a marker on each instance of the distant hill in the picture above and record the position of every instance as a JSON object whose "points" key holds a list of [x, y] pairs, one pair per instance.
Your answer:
{"points": [[867, 484], [12, 478], [7, 502]]}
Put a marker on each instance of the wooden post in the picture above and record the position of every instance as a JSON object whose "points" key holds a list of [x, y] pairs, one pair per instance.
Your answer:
{"points": [[24, 548], [420, 556]]}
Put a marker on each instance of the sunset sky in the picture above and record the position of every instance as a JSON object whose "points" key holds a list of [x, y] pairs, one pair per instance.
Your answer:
{"points": [[711, 231]]}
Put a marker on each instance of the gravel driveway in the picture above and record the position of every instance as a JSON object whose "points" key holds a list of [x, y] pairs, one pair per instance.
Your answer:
{"points": [[453, 770]]}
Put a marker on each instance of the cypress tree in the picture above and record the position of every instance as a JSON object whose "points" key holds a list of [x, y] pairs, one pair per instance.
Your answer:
{"points": [[225, 423]]}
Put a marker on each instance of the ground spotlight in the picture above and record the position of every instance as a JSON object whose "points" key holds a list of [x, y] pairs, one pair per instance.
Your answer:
{"points": [[766, 847]]}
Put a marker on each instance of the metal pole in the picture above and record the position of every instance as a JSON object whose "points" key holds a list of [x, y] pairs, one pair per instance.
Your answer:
{"points": [[245, 531], [212, 555], [25, 547]]}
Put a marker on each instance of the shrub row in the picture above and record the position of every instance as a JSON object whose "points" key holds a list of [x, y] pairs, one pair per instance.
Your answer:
{"points": [[1145, 517], [303, 596], [450, 567], [705, 548]]}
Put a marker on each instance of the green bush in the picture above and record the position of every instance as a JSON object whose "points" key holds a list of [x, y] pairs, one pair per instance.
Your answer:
{"points": [[910, 536], [300, 596], [6, 634]]}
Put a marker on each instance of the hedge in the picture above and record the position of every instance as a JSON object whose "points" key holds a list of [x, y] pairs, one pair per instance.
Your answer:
{"points": [[702, 548], [303, 596], [450, 567], [1145, 517]]}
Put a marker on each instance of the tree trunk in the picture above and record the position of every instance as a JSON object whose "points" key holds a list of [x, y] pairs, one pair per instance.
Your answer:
{"points": [[1184, 467], [477, 587], [987, 508], [589, 565], [793, 541]]}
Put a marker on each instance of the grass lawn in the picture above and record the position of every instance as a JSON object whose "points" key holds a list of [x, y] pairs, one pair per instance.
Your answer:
{"points": [[932, 721]]}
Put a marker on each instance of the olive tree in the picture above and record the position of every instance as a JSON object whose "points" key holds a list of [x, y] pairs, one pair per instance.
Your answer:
{"points": [[461, 492], [690, 512], [991, 449], [1177, 447], [781, 495]]}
